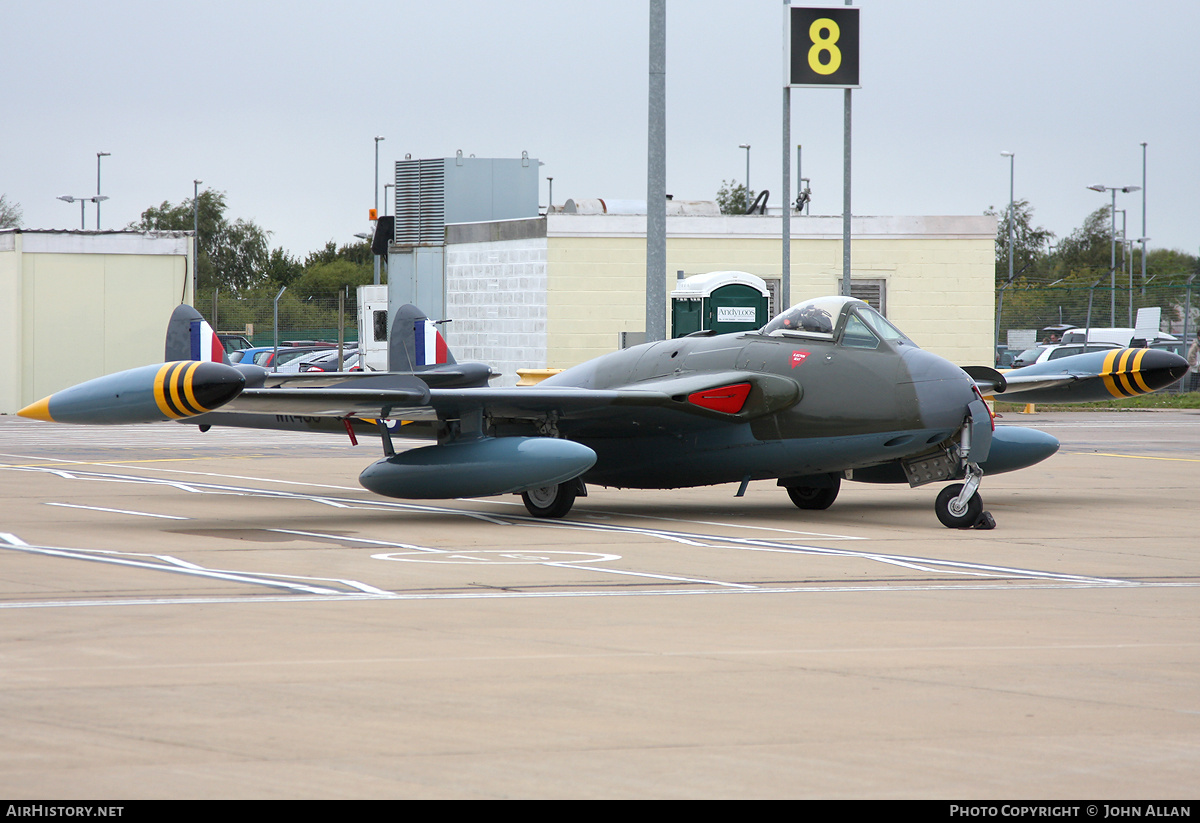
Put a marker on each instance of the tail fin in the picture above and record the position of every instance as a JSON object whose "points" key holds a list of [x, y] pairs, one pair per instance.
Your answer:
{"points": [[189, 337], [415, 344]]}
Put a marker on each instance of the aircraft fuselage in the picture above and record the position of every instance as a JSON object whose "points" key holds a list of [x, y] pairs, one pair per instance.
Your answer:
{"points": [[851, 408]]}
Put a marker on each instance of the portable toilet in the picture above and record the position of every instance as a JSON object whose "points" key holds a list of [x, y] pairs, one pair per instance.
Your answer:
{"points": [[724, 301]]}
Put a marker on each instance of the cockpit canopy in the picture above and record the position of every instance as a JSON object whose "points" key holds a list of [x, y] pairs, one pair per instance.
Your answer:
{"points": [[851, 322]]}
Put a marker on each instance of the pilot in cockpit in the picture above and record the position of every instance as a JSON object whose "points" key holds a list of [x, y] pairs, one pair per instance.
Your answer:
{"points": [[809, 318]]}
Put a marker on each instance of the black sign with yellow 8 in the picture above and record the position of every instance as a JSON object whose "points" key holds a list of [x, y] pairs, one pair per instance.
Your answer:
{"points": [[824, 47]]}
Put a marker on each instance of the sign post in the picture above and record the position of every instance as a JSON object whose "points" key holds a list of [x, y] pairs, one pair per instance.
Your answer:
{"points": [[821, 51]]}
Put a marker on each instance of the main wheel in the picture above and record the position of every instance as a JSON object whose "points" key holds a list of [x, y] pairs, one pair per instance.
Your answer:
{"points": [[951, 519], [815, 497], [550, 501]]}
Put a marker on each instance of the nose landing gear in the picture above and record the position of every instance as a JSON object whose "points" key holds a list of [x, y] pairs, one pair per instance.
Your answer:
{"points": [[959, 506]]}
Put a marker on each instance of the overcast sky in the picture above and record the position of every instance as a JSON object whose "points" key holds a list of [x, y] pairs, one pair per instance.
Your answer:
{"points": [[277, 105]]}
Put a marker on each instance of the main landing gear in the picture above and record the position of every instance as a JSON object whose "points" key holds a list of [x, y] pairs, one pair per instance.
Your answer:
{"points": [[554, 500], [815, 496]]}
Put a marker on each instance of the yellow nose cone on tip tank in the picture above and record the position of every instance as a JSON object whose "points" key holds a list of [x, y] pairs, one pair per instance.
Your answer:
{"points": [[38, 411]]}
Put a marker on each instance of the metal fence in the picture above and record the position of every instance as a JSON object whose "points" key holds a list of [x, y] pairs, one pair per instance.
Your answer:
{"points": [[1034, 308], [254, 318]]}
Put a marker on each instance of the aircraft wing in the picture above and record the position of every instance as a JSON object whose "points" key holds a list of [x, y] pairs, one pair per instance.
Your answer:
{"points": [[329, 401], [214, 393], [426, 404]]}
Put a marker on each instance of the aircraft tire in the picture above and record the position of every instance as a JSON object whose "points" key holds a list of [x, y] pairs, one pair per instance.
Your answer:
{"points": [[550, 501], [950, 520], [815, 497]]}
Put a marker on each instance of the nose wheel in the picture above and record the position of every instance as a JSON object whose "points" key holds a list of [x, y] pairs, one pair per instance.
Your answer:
{"points": [[957, 514]]}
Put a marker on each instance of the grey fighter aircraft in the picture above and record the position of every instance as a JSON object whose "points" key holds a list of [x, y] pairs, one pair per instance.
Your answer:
{"points": [[827, 391]]}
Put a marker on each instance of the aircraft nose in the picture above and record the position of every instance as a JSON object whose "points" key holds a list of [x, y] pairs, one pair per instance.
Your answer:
{"points": [[943, 390]]}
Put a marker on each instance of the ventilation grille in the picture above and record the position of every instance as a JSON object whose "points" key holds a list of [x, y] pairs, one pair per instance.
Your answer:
{"points": [[870, 292], [420, 202]]}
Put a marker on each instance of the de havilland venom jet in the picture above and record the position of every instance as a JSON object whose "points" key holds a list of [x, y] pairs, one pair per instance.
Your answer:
{"points": [[827, 391]]}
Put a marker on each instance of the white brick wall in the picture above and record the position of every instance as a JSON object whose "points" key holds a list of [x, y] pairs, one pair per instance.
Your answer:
{"points": [[496, 296]]}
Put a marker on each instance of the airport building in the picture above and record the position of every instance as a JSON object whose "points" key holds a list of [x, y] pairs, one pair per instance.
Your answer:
{"points": [[79, 304]]}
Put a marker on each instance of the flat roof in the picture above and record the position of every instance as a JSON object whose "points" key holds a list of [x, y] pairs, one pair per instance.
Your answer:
{"points": [[63, 241]]}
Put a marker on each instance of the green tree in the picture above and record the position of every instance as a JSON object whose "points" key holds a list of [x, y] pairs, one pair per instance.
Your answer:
{"points": [[10, 213], [733, 197], [239, 255], [354, 253], [1029, 243], [1087, 251], [323, 281], [282, 268], [1169, 265], [233, 256]]}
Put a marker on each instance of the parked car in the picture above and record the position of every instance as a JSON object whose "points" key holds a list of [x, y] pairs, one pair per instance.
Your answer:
{"points": [[1055, 351], [233, 342], [326, 357], [1121, 336], [267, 357], [351, 361], [247, 355]]}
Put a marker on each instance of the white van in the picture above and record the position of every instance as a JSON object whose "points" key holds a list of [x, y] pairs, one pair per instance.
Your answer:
{"points": [[1121, 336]]}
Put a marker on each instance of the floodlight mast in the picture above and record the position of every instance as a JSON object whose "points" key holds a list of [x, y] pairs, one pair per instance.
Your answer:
{"points": [[1112, 256]]}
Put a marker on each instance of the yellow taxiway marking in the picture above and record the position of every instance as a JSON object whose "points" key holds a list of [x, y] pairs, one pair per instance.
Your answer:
{"points": [[1140, 456]]}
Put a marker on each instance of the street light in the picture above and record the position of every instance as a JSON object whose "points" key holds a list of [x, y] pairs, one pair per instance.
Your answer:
{"points": [[1144, 238], [99, 154], [377, 139], [66, 198], [1012, 162], [196, 243], [1112, 257], [746, 146]]}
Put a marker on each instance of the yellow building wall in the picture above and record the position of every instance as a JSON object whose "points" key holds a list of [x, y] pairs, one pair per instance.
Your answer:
{"points": [[939, 275], [77, 312]]}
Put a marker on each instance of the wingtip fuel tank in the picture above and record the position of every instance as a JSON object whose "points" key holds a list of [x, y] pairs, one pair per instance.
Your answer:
{"points": [[1115, 374], [149, 394]]}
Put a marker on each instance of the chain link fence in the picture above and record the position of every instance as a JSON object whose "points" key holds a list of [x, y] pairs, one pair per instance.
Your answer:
{"points": [[1022, 309], [253, 317]]}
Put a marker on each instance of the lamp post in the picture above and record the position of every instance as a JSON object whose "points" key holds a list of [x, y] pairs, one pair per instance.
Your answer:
{"points": [[99, 154], [66, 198], [386, 186], [746, 146], [196, 240], [1012, 162], [1112, 257], [377, 139], [1143, 238]]}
